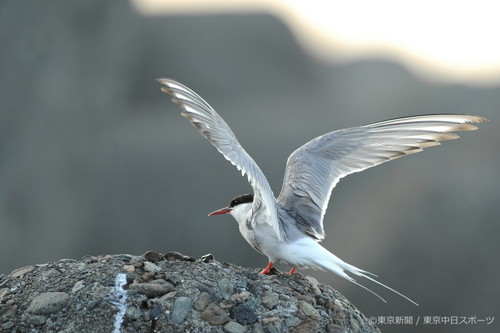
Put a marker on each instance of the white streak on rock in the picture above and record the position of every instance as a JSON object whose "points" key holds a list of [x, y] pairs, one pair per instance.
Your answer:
{"points": [[118, 297]]}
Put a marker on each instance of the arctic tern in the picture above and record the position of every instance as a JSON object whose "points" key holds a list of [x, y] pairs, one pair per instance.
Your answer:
{"points": [[288, 229]]}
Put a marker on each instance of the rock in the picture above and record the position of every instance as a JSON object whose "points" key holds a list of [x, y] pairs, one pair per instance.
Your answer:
{"points": [[270, 299], [306, 327], [129, 268], [153, 256], [225, 288], [164, 299], [207, 258], [202, 301], [150, 267], [241, 297], [93, 304], [21, 271], [50, 274], [156, 312], [179, 296], [8, 310], [275, 327], [292, 321], [243, 314], [182, 307], [214, 315], [152, 289], [3, 293], [48, 303], [234, 327], [7, 325], [174, 255], [79, 285], [314, 283], [133, 313], [37, 320], [309, 310], [253, 303], [257, 329]]}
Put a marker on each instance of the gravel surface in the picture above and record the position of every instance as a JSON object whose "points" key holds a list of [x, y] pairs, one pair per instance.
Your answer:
{"points": [[168, 293]]}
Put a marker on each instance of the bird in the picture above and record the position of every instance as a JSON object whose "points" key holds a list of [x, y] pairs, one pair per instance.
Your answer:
{"points": [[289, 228]]}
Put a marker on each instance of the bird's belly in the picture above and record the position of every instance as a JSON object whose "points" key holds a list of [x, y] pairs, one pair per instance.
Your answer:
{"points": [[300, 252], [260, 237]]}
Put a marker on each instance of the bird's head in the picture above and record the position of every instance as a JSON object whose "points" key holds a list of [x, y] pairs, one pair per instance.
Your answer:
{"points": [[239, 207]]}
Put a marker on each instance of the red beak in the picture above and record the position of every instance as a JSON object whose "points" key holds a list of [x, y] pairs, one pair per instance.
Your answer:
{"points": [[221, 211]]}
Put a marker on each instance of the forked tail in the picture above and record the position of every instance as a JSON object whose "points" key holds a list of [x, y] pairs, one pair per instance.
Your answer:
{"points": [[339, 267]]}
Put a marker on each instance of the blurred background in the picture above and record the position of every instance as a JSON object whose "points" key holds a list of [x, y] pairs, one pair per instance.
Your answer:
{"points": [[94, 159]]}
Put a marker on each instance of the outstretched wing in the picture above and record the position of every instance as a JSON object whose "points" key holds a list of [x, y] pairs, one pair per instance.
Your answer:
{"points": [[204, 118], [313, 170]]}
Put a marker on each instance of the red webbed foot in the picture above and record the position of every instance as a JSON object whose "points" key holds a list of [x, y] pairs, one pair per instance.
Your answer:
{"points": [[267, 269]]}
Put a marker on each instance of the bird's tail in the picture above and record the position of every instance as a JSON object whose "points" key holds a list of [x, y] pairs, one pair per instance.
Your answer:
{"points": [[334, 264]]}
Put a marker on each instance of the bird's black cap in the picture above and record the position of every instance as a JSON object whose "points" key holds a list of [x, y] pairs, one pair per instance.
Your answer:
{"points": [[241, 199]]}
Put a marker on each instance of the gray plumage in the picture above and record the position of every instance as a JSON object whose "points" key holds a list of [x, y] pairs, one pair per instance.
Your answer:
{"points": [[313, 170]]}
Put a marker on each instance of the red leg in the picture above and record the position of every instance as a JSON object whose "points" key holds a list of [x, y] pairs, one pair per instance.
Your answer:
{"points": [[267, 269], [292, 271]]}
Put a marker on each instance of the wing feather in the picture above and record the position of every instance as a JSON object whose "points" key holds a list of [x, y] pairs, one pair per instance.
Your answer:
{"points": [[314, 169], [204, 118]]}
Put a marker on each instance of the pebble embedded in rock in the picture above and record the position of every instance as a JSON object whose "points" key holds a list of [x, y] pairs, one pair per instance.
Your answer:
{"points": [[257, 329], [3, 293], [234, 327], [50, 274], [49, 302], [152, 289], [225, 288], [292, 321], [7, 325], [133, 313], [214, 315], [241, 285], [174, 255], [314, 283], [37, 320], [306, 327], [275, 327], [155, 312], [21, 271], [241, 297], [243, 314], [202, 301], [309, 310], [150, 267], [93, 304], [78, 285], [164, 299], [153, 256], [209, 257], [9, 310], [129, 268], [270, 299], [182, 307], [253, 303]]}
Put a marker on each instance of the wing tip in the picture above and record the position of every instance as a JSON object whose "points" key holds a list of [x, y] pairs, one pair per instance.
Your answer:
{"points": [[478, 119]]}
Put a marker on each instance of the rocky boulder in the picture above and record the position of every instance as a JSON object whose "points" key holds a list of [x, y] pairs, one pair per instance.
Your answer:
{"points": [[168, 293]]}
